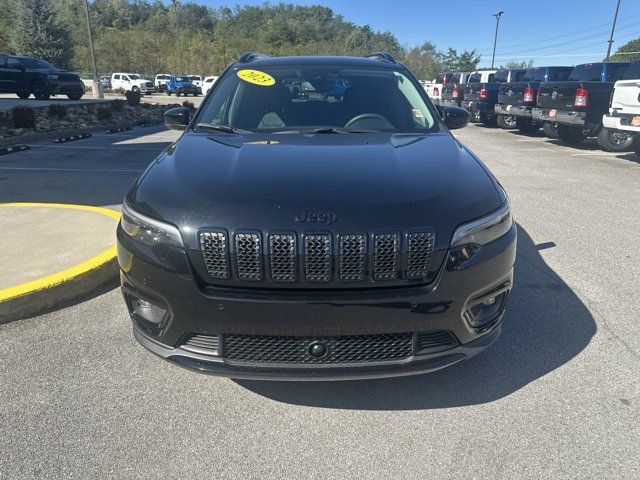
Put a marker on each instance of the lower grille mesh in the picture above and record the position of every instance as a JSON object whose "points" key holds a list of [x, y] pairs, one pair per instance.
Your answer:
{"points": [[344, 349], [204, 344]]}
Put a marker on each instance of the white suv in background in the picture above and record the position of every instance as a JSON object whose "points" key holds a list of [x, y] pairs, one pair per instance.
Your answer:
{"points": [[161, 81], [131, 82], [624, 108], [207, 83]]}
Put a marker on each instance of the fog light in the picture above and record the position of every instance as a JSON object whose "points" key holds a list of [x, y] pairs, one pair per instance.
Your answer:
{"points": [[484, 312], [489, 301], [148, 311]]}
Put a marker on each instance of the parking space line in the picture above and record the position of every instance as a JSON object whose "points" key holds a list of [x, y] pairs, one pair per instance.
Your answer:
{"points": [[52, 169]]}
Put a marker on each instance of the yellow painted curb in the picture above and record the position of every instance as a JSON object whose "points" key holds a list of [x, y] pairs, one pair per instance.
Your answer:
{"points": [[69, 273]]}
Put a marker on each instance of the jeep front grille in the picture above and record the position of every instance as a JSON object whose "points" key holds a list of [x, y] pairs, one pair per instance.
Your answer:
{"points": [[290, 260]]}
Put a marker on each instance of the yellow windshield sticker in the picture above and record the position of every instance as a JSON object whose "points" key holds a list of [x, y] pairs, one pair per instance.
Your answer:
{"points": [[257, 77]]}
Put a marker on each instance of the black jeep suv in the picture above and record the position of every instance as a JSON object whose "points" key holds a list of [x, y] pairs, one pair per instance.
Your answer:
{"points": [[316, 220], [27, 75]]}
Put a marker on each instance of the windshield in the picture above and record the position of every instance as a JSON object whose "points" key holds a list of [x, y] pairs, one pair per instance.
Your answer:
{"points": [[183, 79], [134, 76], [194, 77], [290, 98], [163, 77], [36, 63]]}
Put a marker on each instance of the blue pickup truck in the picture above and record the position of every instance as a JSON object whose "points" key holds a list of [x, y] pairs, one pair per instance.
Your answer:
{"points": [[517, 99], [181, 85], [480, 98], [578, 104]]}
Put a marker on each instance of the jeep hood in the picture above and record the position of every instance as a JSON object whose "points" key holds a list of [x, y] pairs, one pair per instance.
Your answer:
{"points": [[367, 181]]}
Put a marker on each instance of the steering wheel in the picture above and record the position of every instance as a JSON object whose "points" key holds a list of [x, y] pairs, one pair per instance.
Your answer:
{"points": [[369, 120]]}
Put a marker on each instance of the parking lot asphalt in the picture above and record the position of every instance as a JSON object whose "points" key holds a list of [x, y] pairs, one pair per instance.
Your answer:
{"points": [[558, 396]]}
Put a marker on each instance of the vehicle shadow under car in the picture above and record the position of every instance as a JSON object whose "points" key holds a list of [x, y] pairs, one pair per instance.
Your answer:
{"points": [[546, 325]]}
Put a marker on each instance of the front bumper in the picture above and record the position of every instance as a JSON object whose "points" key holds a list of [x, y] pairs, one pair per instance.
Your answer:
{"points": [[565, 117], [620, 122], [67, 88], [515, 110], [195, 309]]}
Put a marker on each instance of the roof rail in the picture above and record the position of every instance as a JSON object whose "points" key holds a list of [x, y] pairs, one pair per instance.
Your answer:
{"points": [[247, 57], [384, 56]]}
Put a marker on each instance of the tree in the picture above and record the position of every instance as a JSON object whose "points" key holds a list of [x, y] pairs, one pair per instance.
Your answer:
{"points": [[36, 31], [423, 61], [512, 65], [628, 52], [466, 61]]}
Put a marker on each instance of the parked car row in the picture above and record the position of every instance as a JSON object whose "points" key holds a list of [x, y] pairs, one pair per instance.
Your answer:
{"points": [[568, 103]]}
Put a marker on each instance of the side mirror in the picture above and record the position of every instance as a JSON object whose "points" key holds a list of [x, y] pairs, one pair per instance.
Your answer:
{"points": [[177, 118], [455, 117]]}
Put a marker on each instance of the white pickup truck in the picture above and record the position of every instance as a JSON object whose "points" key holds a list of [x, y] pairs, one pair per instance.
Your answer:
{"points": [[131, 82], [434, 89], [624, 108]]}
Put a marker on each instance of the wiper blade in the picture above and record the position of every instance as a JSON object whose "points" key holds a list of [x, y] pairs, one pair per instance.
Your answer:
{"points": [[221, 128], [330, 130]]}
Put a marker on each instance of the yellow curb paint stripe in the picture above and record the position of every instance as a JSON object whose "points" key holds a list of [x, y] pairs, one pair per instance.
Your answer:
{"points": [[69, 273]]}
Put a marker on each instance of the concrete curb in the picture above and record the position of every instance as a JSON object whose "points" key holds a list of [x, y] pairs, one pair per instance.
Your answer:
{"points": [[70, 286]]}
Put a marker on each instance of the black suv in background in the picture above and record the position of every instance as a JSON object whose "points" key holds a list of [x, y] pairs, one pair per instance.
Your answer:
{"points": [[26, 76]]}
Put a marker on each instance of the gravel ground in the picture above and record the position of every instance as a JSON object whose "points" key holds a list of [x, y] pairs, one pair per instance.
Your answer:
{"points": [[556, 397]]}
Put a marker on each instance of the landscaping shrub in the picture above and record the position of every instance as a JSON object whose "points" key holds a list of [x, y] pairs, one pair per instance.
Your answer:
{"points": [[57, 110], [103, 113], [133, 98], [117, 105], [23, 117]]}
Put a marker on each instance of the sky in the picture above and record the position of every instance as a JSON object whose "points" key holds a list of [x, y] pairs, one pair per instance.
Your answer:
{"points": [[551, 32]]}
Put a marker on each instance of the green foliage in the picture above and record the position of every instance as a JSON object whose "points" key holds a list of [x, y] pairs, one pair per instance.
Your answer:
{"points": [[23, 117], [133, 98], [622, 54], [57, 110], [37, 31], [117, 105], [451, 60], [513, 64], [104, 113], [424, 61]]}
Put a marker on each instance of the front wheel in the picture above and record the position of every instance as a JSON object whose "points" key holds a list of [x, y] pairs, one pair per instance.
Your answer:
{"points": [[550, 129], [527, 126], [507, 121], [571, 135], [135, 89], [74, 96], [475, 116], [614, 140], [40, 91], [168, 93], [488, 120], [23, 95]]}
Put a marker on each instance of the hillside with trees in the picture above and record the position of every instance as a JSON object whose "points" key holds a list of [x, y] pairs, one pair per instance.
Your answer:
{"points": [[151, 37]]}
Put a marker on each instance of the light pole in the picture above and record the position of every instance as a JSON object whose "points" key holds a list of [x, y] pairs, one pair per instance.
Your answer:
{"points": [[176, 4], [96, 87], [613, 27], [495, 38]]}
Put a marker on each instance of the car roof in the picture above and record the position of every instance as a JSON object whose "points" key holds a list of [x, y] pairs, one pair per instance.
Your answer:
{"points": [[304, 60]]}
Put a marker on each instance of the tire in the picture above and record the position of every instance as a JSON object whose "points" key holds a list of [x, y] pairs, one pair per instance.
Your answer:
{"points": [[571, 135], [488, 120], [550, 129], [135, 89], [168, 93], [527, 126], [614, 140], [40, 91], [506, 121], [475, 116], [177, 94], [23, 95], [74, 96], [636, 145]]}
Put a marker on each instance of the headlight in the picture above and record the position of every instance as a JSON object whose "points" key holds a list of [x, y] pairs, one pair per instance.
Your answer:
{"points": [[52, 77], [484, 230], [147, 230]]}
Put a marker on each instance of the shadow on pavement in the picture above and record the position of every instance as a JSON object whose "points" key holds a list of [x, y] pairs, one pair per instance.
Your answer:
{"points": [[546, 325]]}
